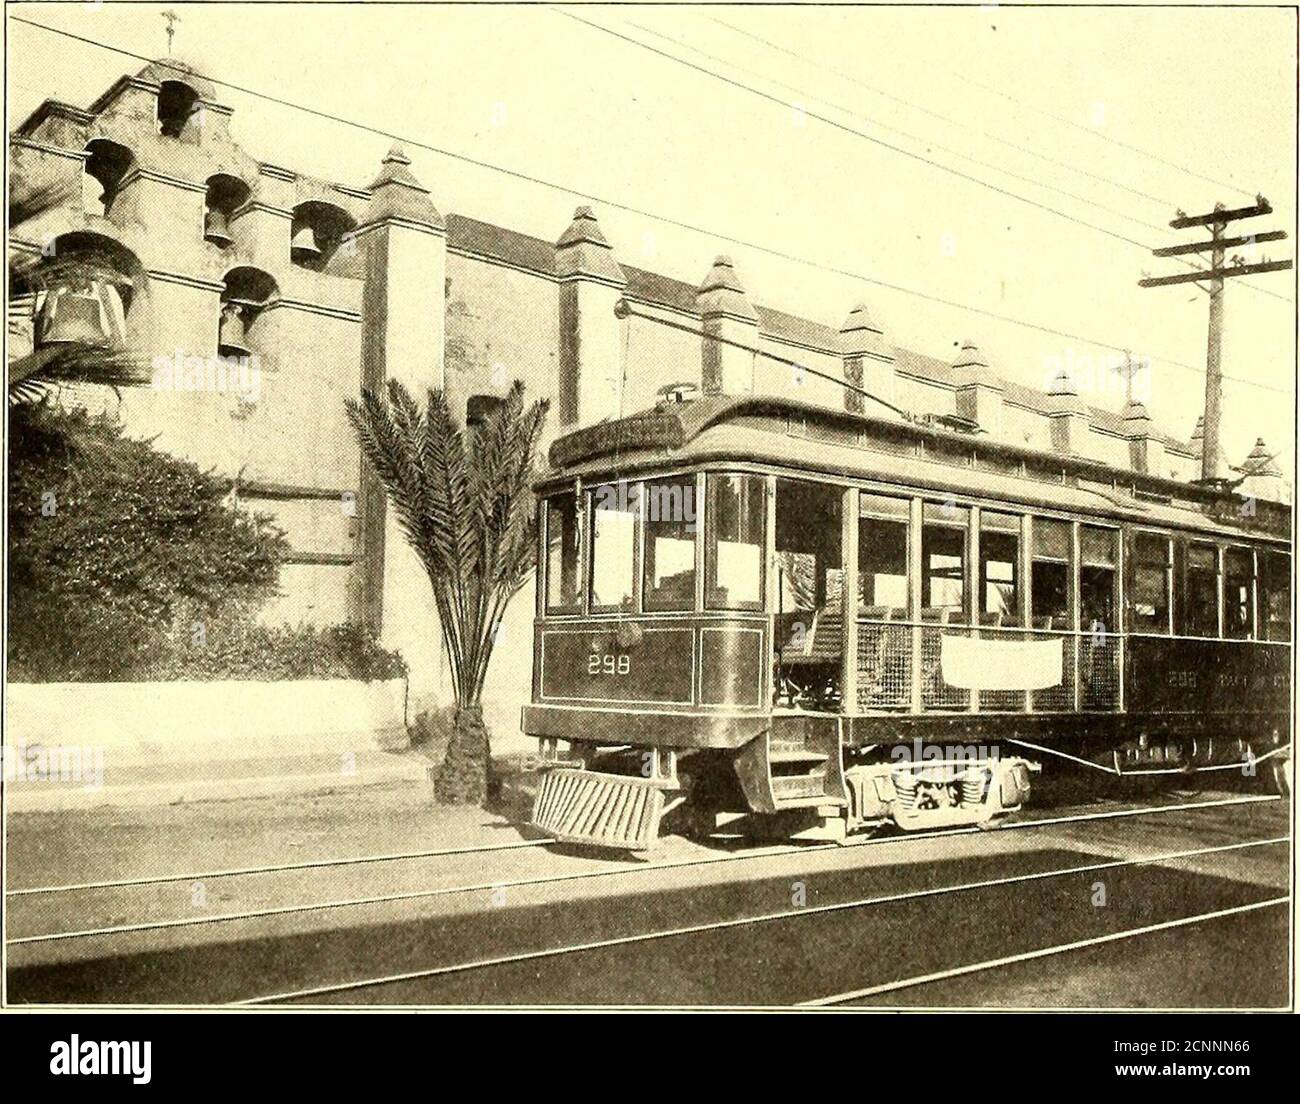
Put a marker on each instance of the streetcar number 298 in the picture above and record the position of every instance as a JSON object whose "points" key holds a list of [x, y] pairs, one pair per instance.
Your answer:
{"points": [[608, 664]]}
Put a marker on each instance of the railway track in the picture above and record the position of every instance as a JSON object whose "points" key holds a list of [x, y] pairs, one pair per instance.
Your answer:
{"points": [[612, 870], [803, 914]]}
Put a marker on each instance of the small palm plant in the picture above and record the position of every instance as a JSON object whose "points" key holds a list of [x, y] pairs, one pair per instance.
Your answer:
{"points": [[463, 498]]}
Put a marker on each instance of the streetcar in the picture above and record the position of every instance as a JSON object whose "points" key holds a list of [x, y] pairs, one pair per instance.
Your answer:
{"points": [[831, 622]]}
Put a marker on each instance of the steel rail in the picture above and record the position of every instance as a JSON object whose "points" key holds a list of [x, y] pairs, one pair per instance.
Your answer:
{"points": [[400, 856], [784, 914], [611, 871], [1042, 952], [305, 864]]}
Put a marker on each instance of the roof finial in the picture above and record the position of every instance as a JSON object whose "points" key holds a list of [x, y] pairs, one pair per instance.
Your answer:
{"points": [[172, 19]]}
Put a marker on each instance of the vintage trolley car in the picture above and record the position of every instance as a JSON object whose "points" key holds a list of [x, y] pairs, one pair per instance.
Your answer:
{"points": [[831, 620]]}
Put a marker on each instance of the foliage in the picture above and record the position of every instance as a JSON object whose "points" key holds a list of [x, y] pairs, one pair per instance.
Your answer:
{"points": [[464, 502], [247, 651], [111, 542]]}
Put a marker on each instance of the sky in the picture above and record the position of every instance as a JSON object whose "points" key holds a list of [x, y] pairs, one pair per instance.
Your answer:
{"points": [[858, 156]]}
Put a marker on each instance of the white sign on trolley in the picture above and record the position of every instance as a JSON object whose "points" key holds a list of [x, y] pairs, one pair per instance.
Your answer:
{"points": [[983, 664]]}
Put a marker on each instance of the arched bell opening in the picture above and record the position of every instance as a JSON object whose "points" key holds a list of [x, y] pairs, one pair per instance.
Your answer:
{"points": [[247, 293], [318, 228], [225, 195], [106, 164], [177, 104], [88, 289]]}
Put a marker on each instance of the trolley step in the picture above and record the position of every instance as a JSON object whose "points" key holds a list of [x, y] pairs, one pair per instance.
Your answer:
{"points": [[600, 810], [796, 755]]}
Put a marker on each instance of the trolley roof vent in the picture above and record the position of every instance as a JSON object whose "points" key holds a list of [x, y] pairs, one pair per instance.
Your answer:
{"points": [[954, 422], [676, 393]]}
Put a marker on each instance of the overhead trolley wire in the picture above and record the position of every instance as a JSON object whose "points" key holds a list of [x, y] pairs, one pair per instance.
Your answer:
{"points": [[821, 65], [667, 220], [906, 133], [997, 189], [1104, 137]]}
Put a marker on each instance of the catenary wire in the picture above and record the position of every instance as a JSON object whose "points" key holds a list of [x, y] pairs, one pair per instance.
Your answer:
{"points": [[666, 219]]}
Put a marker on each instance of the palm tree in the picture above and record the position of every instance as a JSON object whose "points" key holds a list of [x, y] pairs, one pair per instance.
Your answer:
{"points": [[463, 499]]}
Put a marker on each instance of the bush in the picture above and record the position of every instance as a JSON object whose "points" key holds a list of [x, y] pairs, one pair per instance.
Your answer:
{"points": [[110, 541], [127, 565], [261, 652]]}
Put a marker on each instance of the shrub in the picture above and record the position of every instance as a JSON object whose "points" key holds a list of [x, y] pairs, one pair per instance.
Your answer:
{"points": [[110, 540], [283, 652], [127, 565]]}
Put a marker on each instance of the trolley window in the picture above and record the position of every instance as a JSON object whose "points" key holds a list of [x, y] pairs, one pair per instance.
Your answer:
{"points": [[735, 522], [999, 568], [1238, 593], [1152, 579], [1275, 596], [882, 556], [1202, 589], [563, 594], [808, 547], [1099, 551], [943, 561], [670, 521], [1049, 584], [614, 510]]}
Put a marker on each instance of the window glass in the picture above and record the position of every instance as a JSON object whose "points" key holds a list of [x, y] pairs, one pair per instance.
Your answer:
{"points": [[1049, 582], [1238, 593], [1000, 568], [1275, 596], [1151, 583], [882, 556], [734, 522], [1202, 590], [943, 561], [669, 574], [1097, 599], [614, 509], [1051, 539], [562, 533], [1098, 546], [808, 546]]}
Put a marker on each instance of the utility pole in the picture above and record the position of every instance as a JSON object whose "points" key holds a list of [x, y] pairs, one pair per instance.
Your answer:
{"points": [[1218, 245]]}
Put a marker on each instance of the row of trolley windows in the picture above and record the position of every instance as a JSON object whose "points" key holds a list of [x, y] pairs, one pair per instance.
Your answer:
{"points": [[1227, 591], [809, 562]]}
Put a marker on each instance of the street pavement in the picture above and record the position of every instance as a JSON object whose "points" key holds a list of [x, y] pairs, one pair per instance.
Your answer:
{"points": [[464, 908]]}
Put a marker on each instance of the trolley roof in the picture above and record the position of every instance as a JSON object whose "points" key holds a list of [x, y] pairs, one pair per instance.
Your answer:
{"points": [[807, 439]]}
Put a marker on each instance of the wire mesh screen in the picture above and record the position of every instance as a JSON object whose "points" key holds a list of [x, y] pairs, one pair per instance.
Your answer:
{"points": [[884, 665], [1099, 673], [1060, 698], [935, 692]]}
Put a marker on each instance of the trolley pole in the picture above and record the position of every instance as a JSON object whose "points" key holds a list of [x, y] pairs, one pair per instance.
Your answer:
{"points": [[1213, 278]]}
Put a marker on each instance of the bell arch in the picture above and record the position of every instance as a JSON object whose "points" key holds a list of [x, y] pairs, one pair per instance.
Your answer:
{"points": [[89, 289], [177, 103], [107, 163], [225, 194], [318, 228], [246, 293]]}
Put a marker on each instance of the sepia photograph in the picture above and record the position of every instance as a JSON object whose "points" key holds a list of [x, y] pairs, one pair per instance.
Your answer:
{"points": [[753, 507]]}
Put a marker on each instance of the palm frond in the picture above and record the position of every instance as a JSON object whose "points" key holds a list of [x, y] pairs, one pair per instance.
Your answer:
{"points": [[464, 501], [33, 375]]}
